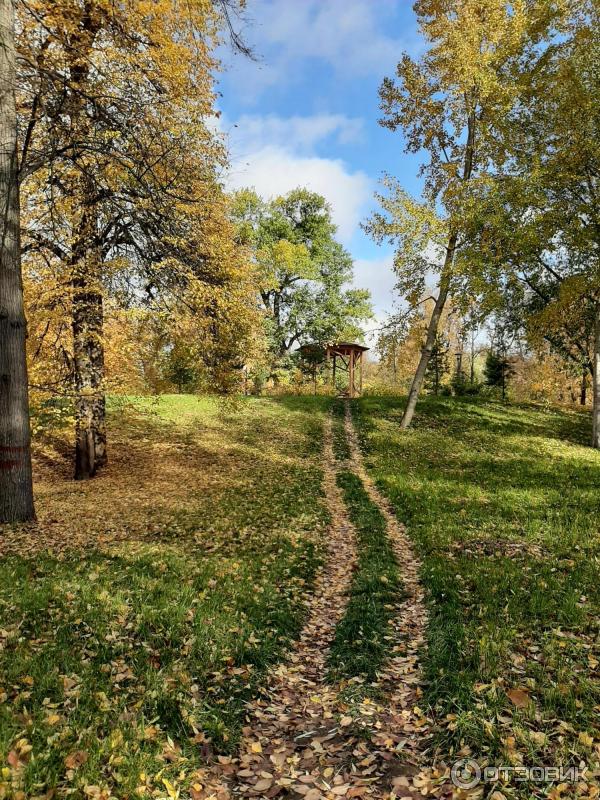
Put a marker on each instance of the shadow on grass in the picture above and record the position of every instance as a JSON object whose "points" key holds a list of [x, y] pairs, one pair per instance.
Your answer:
{"points": [[504, 506]]}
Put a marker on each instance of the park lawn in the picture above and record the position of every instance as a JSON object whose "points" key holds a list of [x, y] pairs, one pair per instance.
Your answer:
{"points": [[145, 607], [503, 504], [362, 641]]}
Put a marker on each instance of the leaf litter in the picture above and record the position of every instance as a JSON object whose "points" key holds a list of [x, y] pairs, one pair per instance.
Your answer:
{"points": [[306, 737]]}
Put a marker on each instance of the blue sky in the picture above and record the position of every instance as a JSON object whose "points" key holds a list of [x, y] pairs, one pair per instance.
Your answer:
{"points": [[305, 113]]}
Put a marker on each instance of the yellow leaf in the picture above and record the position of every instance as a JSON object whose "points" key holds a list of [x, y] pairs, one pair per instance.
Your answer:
{"points": [[171, 790], [585, 739]]}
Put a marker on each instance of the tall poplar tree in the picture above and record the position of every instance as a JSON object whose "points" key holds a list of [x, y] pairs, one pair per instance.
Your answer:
{"points": [[449, 104], [535, 240], [16, 492]]}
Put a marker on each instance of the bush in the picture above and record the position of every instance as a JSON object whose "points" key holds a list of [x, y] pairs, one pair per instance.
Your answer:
{"points": [[462, 387]]}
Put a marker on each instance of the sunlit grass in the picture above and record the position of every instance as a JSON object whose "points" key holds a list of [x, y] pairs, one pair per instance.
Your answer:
{"points": [[172, 584], [504, 507]]}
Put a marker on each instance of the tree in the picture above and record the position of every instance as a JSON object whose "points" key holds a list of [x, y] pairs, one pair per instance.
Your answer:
{"points": [[304, 270], [451, 104], [497, 370], [438, 364], [398, 343], [16, 490], [123, 195], [538, 239]]}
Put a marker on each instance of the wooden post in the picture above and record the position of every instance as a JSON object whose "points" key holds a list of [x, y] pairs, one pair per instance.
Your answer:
{"points": [[351, 374], [361, 373], [334, 365]]}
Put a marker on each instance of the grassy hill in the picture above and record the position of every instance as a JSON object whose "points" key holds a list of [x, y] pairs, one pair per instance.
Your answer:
{"points": [[503, 504], [146, 607]]}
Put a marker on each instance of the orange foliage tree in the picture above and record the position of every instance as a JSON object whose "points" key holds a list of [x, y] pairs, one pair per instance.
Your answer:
{"points": [[122, 195]]}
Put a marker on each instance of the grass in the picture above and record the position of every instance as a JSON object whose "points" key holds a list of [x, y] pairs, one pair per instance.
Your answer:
{"points": [[504, 507], [341, 448], [146, 607], [362, 636]]}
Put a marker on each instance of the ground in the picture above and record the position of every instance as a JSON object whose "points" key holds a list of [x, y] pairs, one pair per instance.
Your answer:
{"points": [[503, 505], [143, 617]]}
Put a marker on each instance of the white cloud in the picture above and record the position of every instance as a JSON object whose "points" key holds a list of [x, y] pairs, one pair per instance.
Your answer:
{"points": [[275, 170], [274, 155], [352, 36], [378, 275], [301, 133], [346, 33]]}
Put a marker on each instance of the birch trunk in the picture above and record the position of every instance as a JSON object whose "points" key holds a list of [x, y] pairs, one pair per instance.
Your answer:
{"points": [[444, 288], [16, 491], [432, 330], [596, 386], [88, 344]]}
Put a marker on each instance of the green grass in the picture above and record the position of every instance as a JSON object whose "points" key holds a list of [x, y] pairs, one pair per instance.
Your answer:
{"points": [[361, 642], [141, 653], [341, 448], [503, 503]]}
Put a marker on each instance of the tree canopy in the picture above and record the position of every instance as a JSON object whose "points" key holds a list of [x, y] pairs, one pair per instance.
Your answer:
{"points": [[304, 271]]}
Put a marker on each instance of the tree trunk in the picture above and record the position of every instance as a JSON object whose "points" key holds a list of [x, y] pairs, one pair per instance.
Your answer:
{"points": [[584, 385], [16, 490], [432, 330], [596, 376], [88, 344], [417, 382], [86, 273]]}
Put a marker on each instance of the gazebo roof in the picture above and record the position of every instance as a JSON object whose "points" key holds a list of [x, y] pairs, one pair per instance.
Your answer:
{"points": [[347, 347]]}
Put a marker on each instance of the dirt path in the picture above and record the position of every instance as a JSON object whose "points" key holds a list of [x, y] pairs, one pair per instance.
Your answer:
{"points": [[304, 737], [402, 674], [290, 735]]}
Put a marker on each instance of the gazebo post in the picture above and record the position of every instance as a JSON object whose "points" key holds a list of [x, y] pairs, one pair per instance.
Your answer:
{"points": [[334, 365], [361, 372], [351, 355]]}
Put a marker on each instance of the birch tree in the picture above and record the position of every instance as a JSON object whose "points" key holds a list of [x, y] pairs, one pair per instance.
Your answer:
{"points": [[450, 105], [535, 241], [16, 492]]}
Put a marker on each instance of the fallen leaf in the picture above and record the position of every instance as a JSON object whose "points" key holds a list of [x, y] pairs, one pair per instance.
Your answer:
{"points": [[76, 759], [519, 697], [171, 790]]}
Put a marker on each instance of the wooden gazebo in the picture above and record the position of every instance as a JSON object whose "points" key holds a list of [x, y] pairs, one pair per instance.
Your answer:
{"points": [[348, 357]]}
